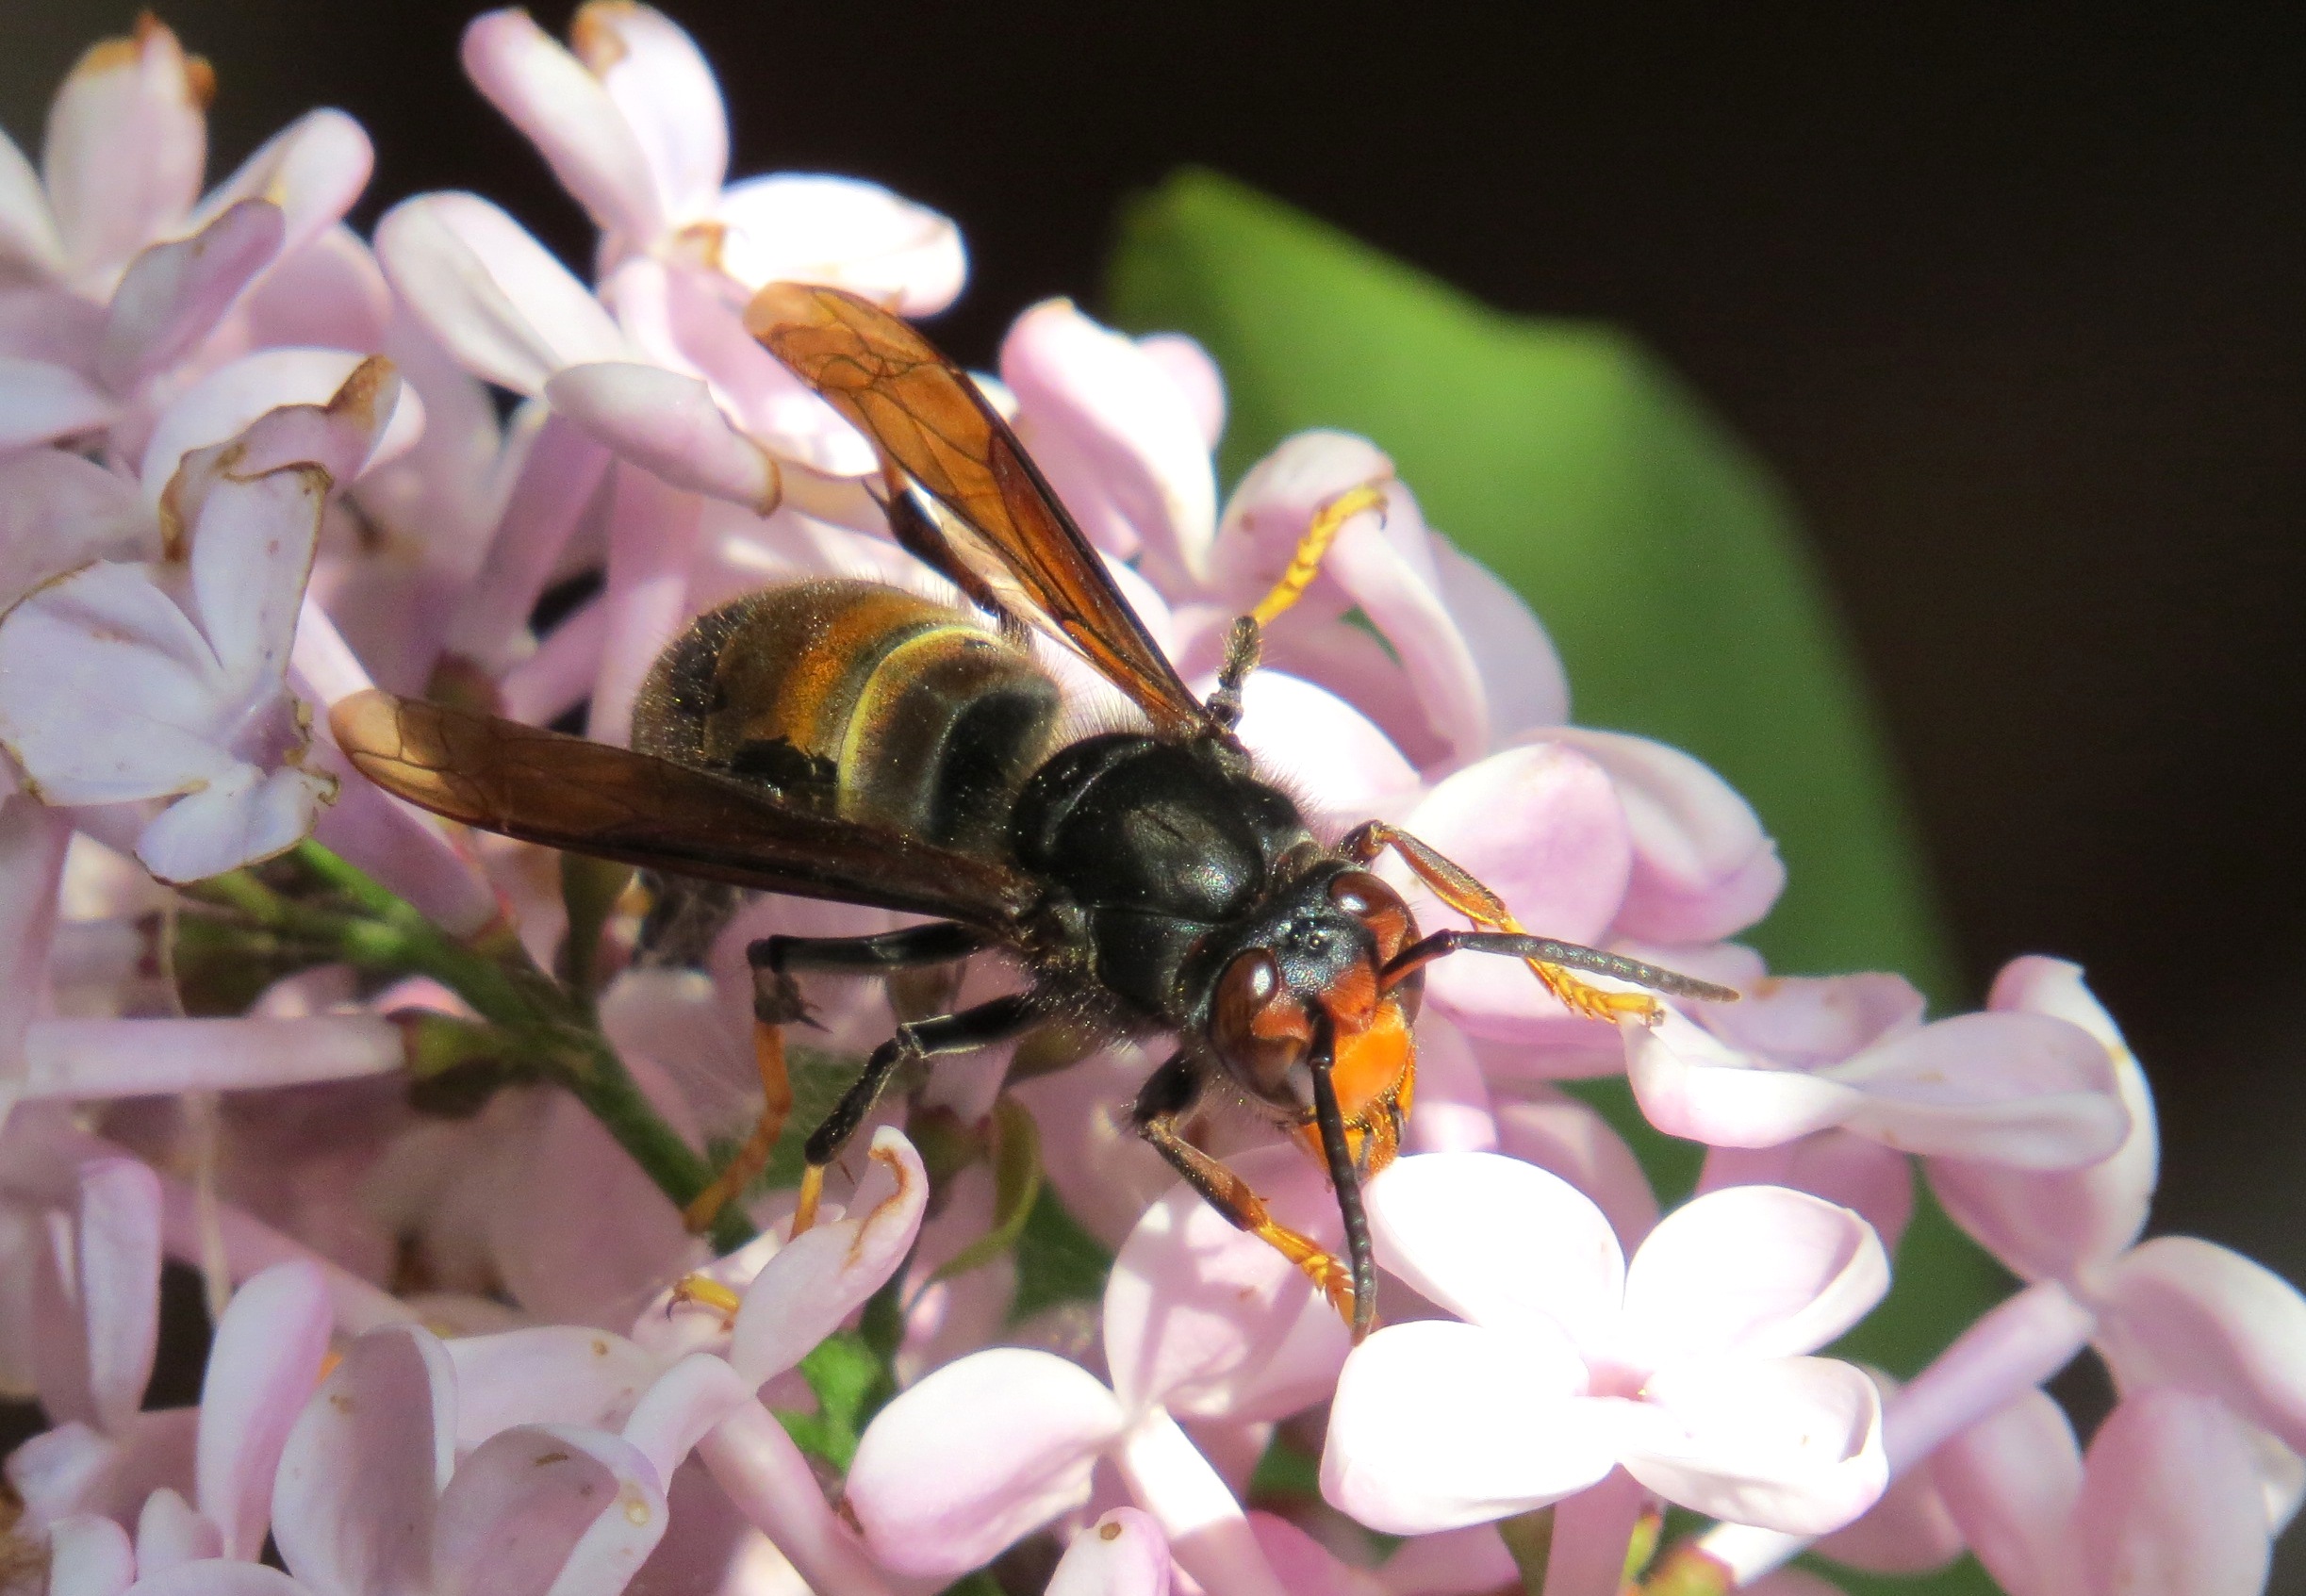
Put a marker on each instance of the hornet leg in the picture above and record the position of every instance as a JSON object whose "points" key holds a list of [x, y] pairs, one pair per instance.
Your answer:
{"points": [[1456, 886], [981, 1026], [777, 1003], [1171, 1092]]}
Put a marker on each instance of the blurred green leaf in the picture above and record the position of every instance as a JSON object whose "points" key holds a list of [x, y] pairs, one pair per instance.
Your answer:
{"points": [[1661, 556], [851, 1381], [1659, 553], [1057, 1261], [1016, 1187]]}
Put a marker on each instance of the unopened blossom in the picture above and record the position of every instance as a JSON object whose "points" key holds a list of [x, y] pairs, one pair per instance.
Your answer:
{"points": [[1684, 1367]]}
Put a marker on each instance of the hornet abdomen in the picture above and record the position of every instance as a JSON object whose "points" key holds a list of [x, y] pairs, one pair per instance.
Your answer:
{"points": [[860, 701]]}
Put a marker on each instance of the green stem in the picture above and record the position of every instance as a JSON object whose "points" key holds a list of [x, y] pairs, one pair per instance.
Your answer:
{"points": [[389, 935]]}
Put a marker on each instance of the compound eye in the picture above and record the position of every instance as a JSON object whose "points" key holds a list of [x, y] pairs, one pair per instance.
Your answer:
{"points": [[1368, 899], [1259, 1028]]}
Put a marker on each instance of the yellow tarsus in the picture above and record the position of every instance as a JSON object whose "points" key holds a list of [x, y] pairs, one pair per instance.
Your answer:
{"points": [[812, 1191], [706, 1292], [1305, 563]]}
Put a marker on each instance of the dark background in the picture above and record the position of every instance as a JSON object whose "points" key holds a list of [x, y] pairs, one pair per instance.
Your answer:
{"points": [[2017, 305]]}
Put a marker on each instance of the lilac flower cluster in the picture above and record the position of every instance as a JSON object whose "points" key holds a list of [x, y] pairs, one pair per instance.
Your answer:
{"points": [[250, 464]]}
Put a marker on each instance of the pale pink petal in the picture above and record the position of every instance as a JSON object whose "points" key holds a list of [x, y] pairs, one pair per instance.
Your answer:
{"points": [[57, 511], [1544, 1261], [2014, 1346], [119, 1282], [1755, 1271], [1398, 592], [1590, 1533], [262, 1365], [578, 1232], [2186, 1313], [105, 686], [1208, 1536], [1190, 371], [354, 1503], [765, 1476], [2011, 1481], [89, 1556], [1105, 1174], [980, 1454], [1380, 562], [821, 1277], [64, 1471], [328, 294], [168, 1532], [126, 141], [1452, 1111], [1704, 868], [663, 89], [1908, 1531], [2025, 1091], [34, 842], [174, 294], [1458, 1562], [52, 325], [1121, 1554], [1542, 827], [2056, 1223], [1814, 1021], [547, 1510], [40, 403], [28, 239], [545, 1375], [1120, 441], [1309, 741], [343, 412], [219, 1576], [1522, 677], [1841, 1168], [1561, 1134], [682, 1406], [559, 474], [799, 227], [1692, 1083], [509, 312], [313, 169], [1785, 1443], [1437, 1425], [1208, 1320], [2170, 1502], [654, 533], [139, 1058], [679, 319], [243, 817], [562, 109], [668, 424], [559, 675], [252, 553]]}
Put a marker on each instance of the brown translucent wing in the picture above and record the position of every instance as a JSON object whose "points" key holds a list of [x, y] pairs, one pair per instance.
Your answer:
{"points": [[613, 803], [1001, 534]]}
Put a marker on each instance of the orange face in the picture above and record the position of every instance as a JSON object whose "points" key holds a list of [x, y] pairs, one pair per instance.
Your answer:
{"points": [[1265, 1026]]}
